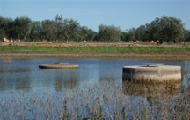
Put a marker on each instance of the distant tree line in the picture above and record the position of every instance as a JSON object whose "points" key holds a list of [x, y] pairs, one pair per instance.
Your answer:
{"points": [[24, 29], [163, 29]]}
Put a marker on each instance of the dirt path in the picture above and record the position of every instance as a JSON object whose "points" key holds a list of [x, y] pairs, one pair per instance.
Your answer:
{"points": [[94, 44]]}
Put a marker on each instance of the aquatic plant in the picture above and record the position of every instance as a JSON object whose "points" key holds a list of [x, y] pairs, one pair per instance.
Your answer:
{"points": [[103, 101]]}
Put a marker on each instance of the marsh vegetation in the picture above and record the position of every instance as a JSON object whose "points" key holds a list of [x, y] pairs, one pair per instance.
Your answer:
{"points": [[94, 91], [105, 101]]}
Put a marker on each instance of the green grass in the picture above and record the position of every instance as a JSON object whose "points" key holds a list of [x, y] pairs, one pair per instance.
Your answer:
{"points": [[98, 49]]}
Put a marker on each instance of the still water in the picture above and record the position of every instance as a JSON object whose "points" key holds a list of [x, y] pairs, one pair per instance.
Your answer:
{"points": [[95, 89]]}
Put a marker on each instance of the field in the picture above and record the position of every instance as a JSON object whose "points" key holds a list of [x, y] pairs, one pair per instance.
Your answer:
{"points": [[96, 49]]}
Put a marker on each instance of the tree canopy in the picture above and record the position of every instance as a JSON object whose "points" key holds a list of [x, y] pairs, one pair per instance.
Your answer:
{"points": [[162, 29], [109, 33]]}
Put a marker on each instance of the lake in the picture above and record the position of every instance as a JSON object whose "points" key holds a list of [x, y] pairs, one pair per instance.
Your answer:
{"points": [[95, 90]]}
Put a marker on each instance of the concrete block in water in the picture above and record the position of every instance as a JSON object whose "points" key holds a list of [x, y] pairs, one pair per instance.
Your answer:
{"points": [[152, 73], [151, 90]]}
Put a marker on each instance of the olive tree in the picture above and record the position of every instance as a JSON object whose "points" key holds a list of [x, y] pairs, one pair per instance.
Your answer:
{"points": [[5, 27], [109, 33], [21, 27], [71, 30], [48, 30], [187, 36], [167, 29]]}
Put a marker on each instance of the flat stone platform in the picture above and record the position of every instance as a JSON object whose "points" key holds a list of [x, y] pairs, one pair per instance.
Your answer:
{"points": [[59, 66]]}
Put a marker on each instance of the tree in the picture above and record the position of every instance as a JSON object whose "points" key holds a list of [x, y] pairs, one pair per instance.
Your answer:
{"points": [[71, 30], [5, 28], [140, 33], [59, 27], [187, 36], [109, 33], [86, 34], [21, 27], [167, 29], [35, 33], [131, 35], [128, 36], [48, 30], [163, 29], [2, 34]]}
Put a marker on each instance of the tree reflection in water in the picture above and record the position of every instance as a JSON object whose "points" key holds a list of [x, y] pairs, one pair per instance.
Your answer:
{"points": [[66, 80]]}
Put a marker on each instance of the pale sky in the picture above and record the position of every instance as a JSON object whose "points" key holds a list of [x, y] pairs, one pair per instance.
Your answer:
{"points": [[92, 13]]}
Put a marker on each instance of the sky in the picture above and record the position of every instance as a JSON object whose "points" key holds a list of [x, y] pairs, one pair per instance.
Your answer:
{"points": [[123, 13]]}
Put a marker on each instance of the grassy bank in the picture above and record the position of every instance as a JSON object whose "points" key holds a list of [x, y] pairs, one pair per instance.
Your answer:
{"points": [[97, 49]]}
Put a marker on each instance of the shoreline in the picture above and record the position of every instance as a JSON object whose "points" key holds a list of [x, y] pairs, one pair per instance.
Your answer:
{"points": [[46, 54]]}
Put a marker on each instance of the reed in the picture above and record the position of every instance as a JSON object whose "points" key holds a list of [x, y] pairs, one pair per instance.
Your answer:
{"points": [[104, 101]]}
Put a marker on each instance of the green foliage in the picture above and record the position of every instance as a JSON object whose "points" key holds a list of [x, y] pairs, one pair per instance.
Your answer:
{"points": [[187, 36], [109, 33], [2, 34], [35, 33], [141, 33], [71, 30], [5, 27], [163, 29], [167, 29], [87, 34], [48, 30], [21, 27], [131, 35]]}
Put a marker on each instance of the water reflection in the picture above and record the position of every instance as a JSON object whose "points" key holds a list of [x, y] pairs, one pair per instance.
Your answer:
{"points": [[15, 81], [68, 79], [7, 60], [150, 90], [186, 74], [24, 73], [14, 75], [109, 71], [5, 69]]}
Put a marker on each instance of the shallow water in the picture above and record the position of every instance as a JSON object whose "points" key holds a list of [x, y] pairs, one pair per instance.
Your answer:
{"points": [[95, 89]]}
